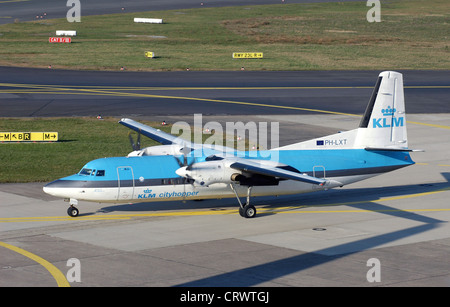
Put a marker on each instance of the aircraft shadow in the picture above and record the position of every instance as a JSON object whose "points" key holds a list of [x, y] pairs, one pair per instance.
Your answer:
{"points": [[259, 274], [262, 273], [362, 198]]}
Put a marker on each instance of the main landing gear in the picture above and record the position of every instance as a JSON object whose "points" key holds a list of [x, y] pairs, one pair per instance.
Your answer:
{"points": [[247, 210]]}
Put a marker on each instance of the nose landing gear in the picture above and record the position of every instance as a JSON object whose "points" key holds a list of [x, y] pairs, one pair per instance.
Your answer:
{"points": [[72, 210]]}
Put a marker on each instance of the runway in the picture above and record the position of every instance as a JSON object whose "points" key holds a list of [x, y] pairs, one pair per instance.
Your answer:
{"points": [[46, 93], [318, 239]]}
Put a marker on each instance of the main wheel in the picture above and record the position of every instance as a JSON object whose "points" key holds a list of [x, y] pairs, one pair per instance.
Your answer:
{"points": [[249, 211], [241, 211], [72, 211]]}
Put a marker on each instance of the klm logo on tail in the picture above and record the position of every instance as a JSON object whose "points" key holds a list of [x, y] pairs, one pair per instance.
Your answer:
{"points": [[386, 122]]}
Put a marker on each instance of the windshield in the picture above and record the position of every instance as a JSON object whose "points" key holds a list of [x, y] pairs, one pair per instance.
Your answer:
{"points": [[85, 171]]}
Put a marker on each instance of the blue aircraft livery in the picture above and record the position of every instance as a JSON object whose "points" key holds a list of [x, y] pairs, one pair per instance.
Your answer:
{"points": [[180, 170]]}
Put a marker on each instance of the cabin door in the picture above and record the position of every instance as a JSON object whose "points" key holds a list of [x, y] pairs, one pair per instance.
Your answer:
{"points": [[125, 183], [318, 172]]}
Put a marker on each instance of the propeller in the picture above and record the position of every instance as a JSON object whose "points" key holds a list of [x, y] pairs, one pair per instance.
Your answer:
{"points": [[185, 151], [184, 165], [137, 145]]}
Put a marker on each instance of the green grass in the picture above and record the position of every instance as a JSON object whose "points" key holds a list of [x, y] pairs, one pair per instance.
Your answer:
{"points": [[413, 34], [80, 140]]}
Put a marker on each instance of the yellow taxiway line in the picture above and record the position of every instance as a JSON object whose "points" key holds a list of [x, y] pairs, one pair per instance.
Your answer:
{"points": [[274, 210], [118, 91], [62, 281], [57, 275]]}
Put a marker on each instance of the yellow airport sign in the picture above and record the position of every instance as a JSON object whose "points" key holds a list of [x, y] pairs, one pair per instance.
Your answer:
{"points": [[28, 136], [149, 54], [247, 55]]}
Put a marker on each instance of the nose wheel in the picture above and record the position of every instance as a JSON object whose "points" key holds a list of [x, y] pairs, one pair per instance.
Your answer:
{"points": [[72, 211]]}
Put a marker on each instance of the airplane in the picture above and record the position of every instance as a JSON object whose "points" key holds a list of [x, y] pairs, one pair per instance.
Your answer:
{"points": [[179, 170]]}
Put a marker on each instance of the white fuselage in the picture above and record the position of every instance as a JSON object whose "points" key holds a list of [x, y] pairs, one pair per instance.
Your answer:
{"points": [[136, 194]]}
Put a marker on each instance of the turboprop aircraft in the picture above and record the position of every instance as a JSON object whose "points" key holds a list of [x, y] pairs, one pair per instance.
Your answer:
{"points": [[182, 170]]}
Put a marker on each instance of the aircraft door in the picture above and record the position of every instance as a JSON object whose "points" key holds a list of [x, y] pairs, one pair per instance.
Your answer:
{"points": [[125, 182], [318, 172]]}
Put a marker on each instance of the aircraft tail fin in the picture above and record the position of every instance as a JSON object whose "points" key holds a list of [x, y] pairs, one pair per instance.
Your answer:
{"points": [[384, 123], [383, 126]]}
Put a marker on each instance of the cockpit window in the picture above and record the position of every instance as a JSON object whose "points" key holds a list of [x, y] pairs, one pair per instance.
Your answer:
{"points": [[101, 172], [85, 172]]}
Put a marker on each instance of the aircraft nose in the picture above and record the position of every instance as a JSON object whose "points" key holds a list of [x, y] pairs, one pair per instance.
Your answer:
{"points": [[50, 188], [47, 188]]}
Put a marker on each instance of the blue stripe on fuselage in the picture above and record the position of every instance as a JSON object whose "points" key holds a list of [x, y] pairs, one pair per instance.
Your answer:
{"points": [[155, 167], [148, 167], [343, 159]]}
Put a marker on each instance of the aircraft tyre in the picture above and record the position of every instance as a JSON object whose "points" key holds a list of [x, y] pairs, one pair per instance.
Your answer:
{"points": [[72, 211], [249, 211], [241, 211]]}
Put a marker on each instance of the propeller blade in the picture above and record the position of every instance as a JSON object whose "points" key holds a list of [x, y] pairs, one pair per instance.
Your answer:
{"points": [[178, 161], [133, 146], [137, 145], [185, 151], [138, 141]]}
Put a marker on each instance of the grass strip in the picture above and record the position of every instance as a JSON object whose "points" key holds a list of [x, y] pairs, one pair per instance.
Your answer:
{"points": [[412, 34]]}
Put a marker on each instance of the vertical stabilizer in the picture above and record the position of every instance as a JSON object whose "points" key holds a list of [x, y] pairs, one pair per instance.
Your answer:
{"points": [[384, 123]]}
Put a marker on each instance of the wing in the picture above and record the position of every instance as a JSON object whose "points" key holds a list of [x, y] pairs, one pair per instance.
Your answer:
{"points": [[256, 168], [154, 134], [169, 139]]}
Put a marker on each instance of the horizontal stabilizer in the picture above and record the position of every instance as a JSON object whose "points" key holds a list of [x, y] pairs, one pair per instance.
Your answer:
{"points": [[392, 149]]}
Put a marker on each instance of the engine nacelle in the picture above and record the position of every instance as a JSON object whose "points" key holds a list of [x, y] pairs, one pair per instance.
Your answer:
{"points": [[208, 172], [160, 150]]}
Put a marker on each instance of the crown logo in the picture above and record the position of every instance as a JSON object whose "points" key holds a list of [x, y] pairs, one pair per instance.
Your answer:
{"points": [[388, 111], [147, 191]]}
